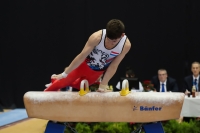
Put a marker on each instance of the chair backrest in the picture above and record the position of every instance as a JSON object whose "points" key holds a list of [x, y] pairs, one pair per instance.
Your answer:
{"points": [[153, 128]]}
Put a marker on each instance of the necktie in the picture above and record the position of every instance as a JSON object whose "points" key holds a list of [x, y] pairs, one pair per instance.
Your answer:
{"points": [[195, 83], [163, 88]]}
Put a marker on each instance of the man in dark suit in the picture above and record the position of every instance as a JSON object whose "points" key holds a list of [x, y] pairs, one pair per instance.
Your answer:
{"points": [[193, 79], [163, 83]]}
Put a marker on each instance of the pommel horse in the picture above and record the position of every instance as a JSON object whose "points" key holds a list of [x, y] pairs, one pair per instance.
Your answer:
{"points": [[86, 106]]}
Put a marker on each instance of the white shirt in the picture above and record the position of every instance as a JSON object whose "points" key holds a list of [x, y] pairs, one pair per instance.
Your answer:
{"points": [[140, 86], [101, 57], [165, 87], [197, 81]]}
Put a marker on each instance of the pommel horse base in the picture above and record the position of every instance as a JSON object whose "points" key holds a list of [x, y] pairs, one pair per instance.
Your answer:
{"points": [[121, 106]]}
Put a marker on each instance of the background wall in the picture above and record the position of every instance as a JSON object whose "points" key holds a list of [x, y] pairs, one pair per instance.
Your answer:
{"points": [[40, 38]]}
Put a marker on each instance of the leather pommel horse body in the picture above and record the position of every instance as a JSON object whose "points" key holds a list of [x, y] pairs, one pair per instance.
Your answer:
{"points": [[103, 107]]}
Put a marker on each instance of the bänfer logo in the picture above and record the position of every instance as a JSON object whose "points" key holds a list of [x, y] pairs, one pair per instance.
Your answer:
{"points": [[147, 108]]}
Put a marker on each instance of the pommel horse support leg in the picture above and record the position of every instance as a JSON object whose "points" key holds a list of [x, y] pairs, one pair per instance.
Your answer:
{"points": [[138, 107]]}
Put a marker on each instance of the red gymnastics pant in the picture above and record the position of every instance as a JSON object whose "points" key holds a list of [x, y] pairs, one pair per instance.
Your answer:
{"points": [[74, 78]]}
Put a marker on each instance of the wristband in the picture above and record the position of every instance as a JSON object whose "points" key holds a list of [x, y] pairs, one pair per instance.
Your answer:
{"points": [[64, 75]]}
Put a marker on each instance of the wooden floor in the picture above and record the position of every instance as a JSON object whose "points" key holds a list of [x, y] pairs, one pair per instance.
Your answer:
{"points": [[30, 125]]}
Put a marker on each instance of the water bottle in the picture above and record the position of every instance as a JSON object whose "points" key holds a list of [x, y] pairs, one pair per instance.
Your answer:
{"points": [[193, 91]]}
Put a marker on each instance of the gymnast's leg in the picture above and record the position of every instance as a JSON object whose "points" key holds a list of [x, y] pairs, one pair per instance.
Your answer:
{"points": [[64, 82], [59, 84], [75, 77], [90, 75]]}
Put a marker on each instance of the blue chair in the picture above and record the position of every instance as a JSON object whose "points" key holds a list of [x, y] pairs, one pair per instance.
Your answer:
{"points": [[153, 128], [53, 127]]}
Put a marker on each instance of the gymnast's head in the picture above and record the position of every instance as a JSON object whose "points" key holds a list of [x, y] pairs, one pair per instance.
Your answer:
{"points": [[115, 30]]}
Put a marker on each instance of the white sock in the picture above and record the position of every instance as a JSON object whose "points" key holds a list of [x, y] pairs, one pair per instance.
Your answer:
{"points": [[47, 85]]}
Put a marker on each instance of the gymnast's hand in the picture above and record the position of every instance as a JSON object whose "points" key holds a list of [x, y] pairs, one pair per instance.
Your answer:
{"points": [[56, 77], [59, 76], [103, 88]]}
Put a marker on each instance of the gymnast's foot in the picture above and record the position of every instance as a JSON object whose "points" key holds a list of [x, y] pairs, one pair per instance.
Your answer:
{"points": [[47, 85]]}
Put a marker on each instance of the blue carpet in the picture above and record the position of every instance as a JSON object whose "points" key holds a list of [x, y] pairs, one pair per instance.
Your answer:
{"points": [[12, 116]]}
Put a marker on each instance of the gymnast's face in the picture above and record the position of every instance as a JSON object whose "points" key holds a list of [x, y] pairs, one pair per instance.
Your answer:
{"points": [[114, 41], [195, 69], [162, 75]]}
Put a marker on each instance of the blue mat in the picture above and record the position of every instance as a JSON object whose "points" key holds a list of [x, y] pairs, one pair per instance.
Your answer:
{"points": [[12, 116]]}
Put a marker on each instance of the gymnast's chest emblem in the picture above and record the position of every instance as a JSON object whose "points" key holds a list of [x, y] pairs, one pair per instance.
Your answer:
{"points": [[98, 59]]}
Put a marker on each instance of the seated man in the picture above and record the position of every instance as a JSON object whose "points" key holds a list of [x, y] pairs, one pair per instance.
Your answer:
{"points": [[163, 83], [193, 79], [130, 74]]}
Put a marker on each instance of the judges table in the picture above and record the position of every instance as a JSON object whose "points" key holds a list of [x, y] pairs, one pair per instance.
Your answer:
{"points": [[191, 107]]}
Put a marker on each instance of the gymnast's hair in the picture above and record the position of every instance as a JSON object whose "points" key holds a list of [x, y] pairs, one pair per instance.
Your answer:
{"points": [[114, 29]]}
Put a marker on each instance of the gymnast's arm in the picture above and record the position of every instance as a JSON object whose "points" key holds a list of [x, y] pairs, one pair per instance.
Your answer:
{"points": [[115, 63], [89, 46]]}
